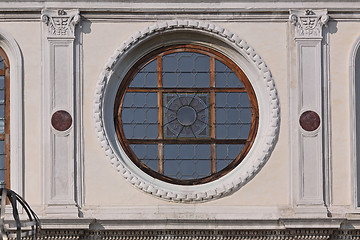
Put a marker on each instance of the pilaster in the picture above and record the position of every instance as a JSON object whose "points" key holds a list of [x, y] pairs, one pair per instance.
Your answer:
{"points": [[307, 113], [58, 111]]}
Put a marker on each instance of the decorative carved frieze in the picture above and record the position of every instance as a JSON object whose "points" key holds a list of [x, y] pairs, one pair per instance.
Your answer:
{"points": [[61, 23], [308, 23], [270, 234]]}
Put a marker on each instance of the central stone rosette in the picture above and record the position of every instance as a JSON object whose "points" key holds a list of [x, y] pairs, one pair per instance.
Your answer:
{"points": [[186, 115]]}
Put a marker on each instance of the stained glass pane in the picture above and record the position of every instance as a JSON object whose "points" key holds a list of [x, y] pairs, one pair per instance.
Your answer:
{"points": [[186, 115]]}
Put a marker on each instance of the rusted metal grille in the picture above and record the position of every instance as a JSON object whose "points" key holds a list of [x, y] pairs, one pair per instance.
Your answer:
{"points": [[186, 114]]}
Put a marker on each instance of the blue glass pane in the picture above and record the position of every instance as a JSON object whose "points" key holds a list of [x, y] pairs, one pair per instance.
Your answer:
{"points": [[2, 111], [245, 116], [1, 63], [244, 100], [233, 99], [2, 96], [2, 125], [139, 115], [152, 164], [185, 70], [147, 76], [2, 178], [225, 154], [220, 67], [140, 131], [133, 99], [143, 79], [170, 80], [186, 62], [2, 161], [2, 82], [187, 161], [232, 115], [232, 131], [2, 147], [150, 67], [147, 154], [225, 77]]}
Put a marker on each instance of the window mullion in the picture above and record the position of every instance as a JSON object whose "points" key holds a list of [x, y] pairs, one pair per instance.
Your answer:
{"points": [[160, 115], [212, 114]]}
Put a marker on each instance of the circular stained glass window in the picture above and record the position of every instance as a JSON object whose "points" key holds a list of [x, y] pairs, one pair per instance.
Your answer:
{"points": [[186, 114]]}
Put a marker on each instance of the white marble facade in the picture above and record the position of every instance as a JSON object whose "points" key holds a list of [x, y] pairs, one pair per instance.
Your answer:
{"points": [[300, 176]]}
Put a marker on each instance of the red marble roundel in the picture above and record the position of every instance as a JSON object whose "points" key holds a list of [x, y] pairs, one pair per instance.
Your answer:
{"points": [[309, 121], [61, 120]]}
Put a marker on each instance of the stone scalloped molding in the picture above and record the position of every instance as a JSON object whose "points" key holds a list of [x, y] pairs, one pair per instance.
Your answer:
{"points": [[242, 46]]}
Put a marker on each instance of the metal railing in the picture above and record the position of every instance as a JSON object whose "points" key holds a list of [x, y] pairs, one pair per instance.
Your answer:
{"points": [[17, 229]]}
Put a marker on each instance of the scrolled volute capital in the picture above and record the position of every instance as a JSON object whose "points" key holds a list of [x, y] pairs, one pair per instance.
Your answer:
{"points": [[60, 22], [308, 23], [293, 19], [45, 18]]}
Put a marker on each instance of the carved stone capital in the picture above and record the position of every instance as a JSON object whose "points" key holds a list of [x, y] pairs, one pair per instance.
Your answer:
{"points": [[60, 23], [308, 23]]}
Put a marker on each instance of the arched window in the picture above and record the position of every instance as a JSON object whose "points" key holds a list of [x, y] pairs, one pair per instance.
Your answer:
{"points": [[4, 120], [355, 121]]}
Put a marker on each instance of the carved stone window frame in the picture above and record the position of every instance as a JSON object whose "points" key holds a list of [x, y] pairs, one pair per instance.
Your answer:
{"points": [[5, 135], [12, 50], [354, 125], [207, 35]]}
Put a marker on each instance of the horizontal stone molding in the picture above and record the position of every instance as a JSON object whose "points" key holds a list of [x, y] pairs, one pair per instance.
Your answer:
{"points": [[216, 234]]}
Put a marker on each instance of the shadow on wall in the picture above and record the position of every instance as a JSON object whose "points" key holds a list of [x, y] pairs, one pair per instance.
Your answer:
{"points": [[85, 26], [332, 27]]}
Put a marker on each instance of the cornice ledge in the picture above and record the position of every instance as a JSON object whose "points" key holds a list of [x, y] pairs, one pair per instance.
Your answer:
{"points": [[312, 223]]}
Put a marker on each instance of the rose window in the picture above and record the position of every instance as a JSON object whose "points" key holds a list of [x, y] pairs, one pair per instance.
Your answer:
{"points": [[186, 114]]}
